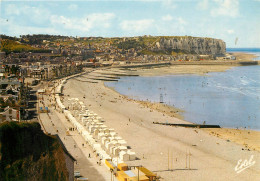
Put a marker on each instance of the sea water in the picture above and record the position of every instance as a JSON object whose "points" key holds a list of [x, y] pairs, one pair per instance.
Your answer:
{"points": [[255, 51], [229, 99]]}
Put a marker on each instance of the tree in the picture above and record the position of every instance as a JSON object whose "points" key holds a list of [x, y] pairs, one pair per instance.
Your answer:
{"points": [[7, 69], [15, 69]]}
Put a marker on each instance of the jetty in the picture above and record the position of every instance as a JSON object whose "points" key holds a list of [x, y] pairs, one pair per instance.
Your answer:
{"points": [[189, 125]]}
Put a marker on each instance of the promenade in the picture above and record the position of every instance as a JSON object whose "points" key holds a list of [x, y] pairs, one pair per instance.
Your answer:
{"points": [[55, 122]]}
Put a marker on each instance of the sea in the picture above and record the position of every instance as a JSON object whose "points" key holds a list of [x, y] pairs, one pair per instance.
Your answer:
{"points": [[230, 99], [255, 51]]}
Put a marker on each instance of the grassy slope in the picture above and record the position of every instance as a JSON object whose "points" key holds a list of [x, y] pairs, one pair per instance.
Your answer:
{"points": [[12, 46], [148, 42], [9, 46], [26, 153]]}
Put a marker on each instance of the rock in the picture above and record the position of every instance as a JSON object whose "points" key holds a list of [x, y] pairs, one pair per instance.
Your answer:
{"points": [[193, 45]]}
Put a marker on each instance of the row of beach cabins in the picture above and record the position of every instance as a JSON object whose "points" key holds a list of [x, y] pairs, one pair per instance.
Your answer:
{"points": [[105, 142]]}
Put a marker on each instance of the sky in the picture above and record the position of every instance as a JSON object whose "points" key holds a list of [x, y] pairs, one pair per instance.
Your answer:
{"points": [[237, 22]]}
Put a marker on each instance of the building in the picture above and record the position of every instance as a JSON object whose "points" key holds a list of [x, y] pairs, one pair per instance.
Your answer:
{"points": [[9, 114], [2, 55], [10, 86], [130, 175]]}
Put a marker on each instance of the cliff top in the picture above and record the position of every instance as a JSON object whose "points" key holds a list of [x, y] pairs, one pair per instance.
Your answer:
{"points": [[26, 153]]}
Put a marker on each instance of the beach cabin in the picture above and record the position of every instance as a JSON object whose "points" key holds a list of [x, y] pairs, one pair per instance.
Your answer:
{"points": [[111, 144], [132, 155], [104, 140], [116, 151], [92, 128], [96, 132], [124, 156], [122, 142], [113, 134], [96, 147]]}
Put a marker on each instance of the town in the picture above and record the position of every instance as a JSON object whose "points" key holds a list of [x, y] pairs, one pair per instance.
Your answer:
{"points": [[30, 59], [35, 69]]}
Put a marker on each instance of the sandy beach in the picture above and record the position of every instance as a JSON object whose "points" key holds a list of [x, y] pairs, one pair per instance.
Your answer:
{"points": [[243, 56], [173, 153], [182, 69]]}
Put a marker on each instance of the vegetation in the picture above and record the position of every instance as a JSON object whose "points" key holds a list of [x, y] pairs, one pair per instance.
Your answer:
{"points": [[163, 52], [26, 153], [8, 46], [145, 43], [130, 44], [149, 52], [14, 69], [9, 102]]}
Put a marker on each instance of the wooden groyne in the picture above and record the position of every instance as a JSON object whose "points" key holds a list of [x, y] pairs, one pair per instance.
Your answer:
{"points": [[189, 125], [100, 78], [104, 76], [104, 79], [118, 74], [89, 81]]}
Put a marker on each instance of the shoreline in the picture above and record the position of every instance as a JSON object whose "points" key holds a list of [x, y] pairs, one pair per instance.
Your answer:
{"points": [[202, 70], [243, 55], [211, 155], [163, 108], [224, 133]]}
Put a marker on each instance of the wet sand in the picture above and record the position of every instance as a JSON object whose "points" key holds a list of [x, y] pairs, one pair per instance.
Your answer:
{"points": [[249, 139], [183, 69]]}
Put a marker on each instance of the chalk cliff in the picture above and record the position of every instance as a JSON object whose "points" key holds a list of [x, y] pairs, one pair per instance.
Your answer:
{"points": [[192, 45]]}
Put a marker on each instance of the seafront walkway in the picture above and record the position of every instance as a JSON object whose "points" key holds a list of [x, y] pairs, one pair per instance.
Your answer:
{"points": [[54, 122]]}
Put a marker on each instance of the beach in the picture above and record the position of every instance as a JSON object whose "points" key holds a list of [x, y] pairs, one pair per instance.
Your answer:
{"points": [[173, 153], [182, 69]]}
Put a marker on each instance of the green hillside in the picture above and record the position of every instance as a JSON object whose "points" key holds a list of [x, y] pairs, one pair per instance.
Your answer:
{"points": [[9, 46]]}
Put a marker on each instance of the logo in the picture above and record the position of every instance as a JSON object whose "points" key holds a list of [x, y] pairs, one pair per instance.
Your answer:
{"points": [[242, 165]]}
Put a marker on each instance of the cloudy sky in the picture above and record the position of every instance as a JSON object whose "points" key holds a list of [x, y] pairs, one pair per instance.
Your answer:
{"points": [[224, 19]]}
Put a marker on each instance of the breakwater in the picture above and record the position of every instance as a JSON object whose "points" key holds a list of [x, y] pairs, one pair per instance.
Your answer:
{"points": [[189, 125]]}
